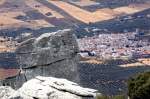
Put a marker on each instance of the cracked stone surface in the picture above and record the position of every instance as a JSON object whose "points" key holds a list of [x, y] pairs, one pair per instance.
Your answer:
{"points": [[51, 54], [47, 48], [48, 88]]}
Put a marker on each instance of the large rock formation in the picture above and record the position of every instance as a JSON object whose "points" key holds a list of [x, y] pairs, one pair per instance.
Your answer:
{"points": [[47, 49], [6, 92], [51, 54], [48, 88]]}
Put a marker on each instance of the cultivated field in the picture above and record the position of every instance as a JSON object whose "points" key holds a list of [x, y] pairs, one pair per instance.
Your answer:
{"points": [[100, 14], [12, 14], [8, 22], [8, 18], [80, 14], [83, 3], [2, 1], [4, 73], [133, 8], [42, 9], [140, 62]]}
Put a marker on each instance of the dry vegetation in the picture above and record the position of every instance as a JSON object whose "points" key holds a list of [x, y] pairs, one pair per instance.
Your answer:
{"points": [[100, 14], [132, 64], [90, 60], [2, 1], [8, 17], [132, 8], [8, 21], [5, 73], [145, 61], [42, 9], [39, 24], [140, 62], [7, 46], [95, 60], [84, 3], [80, 14], [12, 14]]}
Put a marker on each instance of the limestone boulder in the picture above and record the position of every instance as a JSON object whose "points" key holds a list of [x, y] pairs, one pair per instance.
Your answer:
{"points": [[6, 92], [51, 54], [48, 88], [47, 48]]}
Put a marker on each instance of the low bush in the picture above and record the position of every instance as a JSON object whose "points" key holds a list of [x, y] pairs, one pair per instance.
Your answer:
{"points": [[139, 86], [102, 97]]}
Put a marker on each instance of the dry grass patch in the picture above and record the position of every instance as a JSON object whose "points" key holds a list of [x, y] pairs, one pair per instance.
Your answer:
{"points": [[140, 62], [145, 61], [6, 49], [83, 3], [132, 64], [108, 11], [4, 20], [91, 60], [99, 15], [39, 24], [2, 2], [133, 8], [7, 46], [42, 9], [80, 14], [8, 23], [5, 73], [12, 14]]}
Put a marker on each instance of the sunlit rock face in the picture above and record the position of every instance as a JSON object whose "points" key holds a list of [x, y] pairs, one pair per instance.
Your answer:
{"points": [[51, 54], [48, 88], [6, 92]]}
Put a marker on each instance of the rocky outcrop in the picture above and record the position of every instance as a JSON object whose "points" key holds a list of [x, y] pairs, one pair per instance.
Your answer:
{"points": [[48, 88], [51, 54], [47, 49], [6, 92]]}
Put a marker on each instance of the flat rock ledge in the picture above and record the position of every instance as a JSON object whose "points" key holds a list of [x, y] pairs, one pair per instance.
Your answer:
{"points": [[48, 88]]}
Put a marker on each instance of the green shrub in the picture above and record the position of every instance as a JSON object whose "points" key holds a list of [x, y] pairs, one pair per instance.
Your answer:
{"points": [[139, 86], [102, 97], [119, 97]]}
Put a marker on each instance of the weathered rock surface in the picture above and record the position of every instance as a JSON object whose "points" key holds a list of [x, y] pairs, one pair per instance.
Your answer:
{"points": [[6, 92], [51, 54], [47, 48], [48, 88]]}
